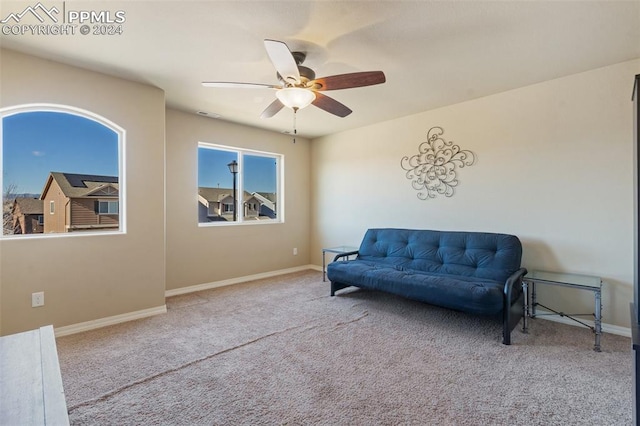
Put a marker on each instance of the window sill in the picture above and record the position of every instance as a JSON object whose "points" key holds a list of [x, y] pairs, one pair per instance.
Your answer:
{"points": [[243, 223]]}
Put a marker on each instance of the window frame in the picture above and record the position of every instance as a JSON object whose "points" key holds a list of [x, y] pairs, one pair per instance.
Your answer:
{"points": [[82, 113], [240, 153]]}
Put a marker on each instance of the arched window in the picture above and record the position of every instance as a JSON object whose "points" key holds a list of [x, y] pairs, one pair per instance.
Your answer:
{"points": [[62, 172]]}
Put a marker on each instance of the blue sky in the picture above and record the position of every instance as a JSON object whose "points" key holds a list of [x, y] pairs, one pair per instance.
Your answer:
{"points": [[36, 143], [259, 172]]}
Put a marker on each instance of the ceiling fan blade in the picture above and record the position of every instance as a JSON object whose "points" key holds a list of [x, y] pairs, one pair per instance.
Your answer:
{"points": [[283, 60], [347, 81], [233, 85], [331, 105], [272, 109]]}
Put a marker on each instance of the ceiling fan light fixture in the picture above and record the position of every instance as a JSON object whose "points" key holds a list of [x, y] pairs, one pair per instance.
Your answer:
{"points": [[295, 97]]}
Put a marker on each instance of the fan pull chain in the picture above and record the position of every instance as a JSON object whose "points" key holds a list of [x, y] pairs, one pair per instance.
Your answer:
{"points": [[295, 129]]}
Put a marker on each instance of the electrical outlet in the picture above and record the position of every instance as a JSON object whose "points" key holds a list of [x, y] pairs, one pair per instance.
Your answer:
{"points": [[295, 251], [37, 299]]}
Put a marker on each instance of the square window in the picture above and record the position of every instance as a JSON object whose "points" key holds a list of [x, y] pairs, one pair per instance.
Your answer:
{"points": [[107, 207], [238, 185]]}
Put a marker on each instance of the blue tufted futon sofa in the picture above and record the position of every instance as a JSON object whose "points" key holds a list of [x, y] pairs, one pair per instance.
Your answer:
{"points": [[474, 272]]}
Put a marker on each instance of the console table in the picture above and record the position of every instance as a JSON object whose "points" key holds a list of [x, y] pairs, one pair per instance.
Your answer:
{"points": [[337, 250], [31, 391], [579, 282]]}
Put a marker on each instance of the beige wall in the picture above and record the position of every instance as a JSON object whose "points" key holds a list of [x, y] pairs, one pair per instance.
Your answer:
{"points": [[89, 277], [554, 166], [201, 255]]}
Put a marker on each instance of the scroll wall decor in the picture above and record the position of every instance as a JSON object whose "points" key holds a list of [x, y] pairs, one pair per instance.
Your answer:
{"points": [[434, 170]]}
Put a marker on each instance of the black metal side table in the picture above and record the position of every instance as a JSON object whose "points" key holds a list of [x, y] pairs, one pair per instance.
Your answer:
{"points": [[337, 250], [580, 282]]}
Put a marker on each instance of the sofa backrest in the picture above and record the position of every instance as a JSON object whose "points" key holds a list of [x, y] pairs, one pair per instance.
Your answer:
{"points": [[473, 254]]}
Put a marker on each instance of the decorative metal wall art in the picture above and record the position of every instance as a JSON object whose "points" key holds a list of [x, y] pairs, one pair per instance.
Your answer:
{"points": [[433, 170]]}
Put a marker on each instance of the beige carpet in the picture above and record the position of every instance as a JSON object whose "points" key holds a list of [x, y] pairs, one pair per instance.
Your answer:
{"points": [[281, 351]]}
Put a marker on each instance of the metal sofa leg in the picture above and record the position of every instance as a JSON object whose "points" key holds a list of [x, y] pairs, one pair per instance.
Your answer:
{"points": [[511, 318], [337, 286]]}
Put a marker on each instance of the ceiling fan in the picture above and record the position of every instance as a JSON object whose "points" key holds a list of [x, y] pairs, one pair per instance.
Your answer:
{"points": [[299, 86]]}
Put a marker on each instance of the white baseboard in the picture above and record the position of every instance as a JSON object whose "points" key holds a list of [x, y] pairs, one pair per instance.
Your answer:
{"points": [[117, 319], [315, 267], [231, 281], [606, 328], [103, 322]]}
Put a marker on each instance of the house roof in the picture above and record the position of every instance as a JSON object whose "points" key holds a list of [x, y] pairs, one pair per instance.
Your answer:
{"points": [[218, 194], [267, 198], [80, 185], [29, 205], [270, 196]]}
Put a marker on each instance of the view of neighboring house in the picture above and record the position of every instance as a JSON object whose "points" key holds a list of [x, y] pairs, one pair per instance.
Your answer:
{"points": [[216, 204], [267, 203], [27, 214], [76, 202]]}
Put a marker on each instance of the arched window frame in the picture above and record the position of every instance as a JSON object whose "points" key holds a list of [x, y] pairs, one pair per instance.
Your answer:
{"points": [[121, 133]]}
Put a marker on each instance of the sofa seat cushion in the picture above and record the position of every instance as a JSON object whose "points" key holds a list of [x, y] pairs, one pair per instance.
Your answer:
{"points": [[469, 294]]}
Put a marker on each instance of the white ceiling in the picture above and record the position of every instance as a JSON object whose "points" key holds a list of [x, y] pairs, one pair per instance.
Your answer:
{"points": [[433, 53]]}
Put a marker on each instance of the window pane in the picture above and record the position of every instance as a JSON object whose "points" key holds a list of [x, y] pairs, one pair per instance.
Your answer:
{"points": [[50, 157], [261, 182], [108, 207], [215, 185]]}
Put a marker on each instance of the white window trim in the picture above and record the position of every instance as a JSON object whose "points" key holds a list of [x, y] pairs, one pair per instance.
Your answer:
{"points": [[67, 109], [240, 186]]}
